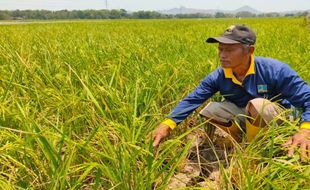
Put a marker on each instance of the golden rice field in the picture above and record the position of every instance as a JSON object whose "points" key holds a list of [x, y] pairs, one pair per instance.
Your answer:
{"points": [[79, 102]]}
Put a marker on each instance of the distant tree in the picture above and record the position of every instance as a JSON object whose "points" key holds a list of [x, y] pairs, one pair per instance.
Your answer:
{"points": [[219, 15], [146, 14], [123, 13], [271, 14], [289, 15], [245, 14], [4, 15], [230, 15], [16, 14], [117, 14], [302, 14], [194, 15]]}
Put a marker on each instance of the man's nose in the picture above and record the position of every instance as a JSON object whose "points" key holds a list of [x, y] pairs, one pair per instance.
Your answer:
{"points": [[222, 54]]}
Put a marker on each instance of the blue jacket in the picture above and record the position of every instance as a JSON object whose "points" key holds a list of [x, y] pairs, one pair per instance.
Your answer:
{"points": [[266, 78]]}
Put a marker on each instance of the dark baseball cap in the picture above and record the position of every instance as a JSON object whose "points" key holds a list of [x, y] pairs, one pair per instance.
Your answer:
{"points": [[235, 34]]}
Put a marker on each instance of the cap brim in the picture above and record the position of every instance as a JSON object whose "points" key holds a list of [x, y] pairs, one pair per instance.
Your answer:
{"points": [[221, 40]]}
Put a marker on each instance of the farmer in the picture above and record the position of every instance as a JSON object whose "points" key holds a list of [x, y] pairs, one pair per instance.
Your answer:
{"points": [[255, 91]]}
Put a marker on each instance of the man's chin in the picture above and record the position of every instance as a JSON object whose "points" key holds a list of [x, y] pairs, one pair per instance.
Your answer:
{"points": [[225, 66]]}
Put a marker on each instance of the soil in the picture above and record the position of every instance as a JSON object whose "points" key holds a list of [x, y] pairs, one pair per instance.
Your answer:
{"points": [[202, 166]]}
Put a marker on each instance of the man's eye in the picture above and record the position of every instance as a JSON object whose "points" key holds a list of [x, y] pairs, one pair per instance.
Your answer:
{"points": [[226, 50]]}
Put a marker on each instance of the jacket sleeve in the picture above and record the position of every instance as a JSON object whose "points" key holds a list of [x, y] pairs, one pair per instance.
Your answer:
{"points": [[295, 90], [207, 87]]}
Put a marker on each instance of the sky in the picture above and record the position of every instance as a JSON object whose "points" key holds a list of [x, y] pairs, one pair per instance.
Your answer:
{"points": [[134, 5]]}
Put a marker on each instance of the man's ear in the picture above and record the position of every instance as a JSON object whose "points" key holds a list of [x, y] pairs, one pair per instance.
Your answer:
{"points": [[251, 49]]}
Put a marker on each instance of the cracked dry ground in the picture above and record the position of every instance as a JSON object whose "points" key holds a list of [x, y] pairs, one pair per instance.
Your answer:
{"points": [[201, 167]]}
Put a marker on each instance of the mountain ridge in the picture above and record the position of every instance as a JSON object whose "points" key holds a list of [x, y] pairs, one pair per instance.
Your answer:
{"points": [[245, 8]]}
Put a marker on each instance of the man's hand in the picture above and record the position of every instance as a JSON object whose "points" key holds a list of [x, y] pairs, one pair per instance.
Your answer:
{"points": [[160, 132], [301, 139]]}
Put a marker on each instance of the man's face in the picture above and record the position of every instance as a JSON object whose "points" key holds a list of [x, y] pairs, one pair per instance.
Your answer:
{"points": [[232, 55]]}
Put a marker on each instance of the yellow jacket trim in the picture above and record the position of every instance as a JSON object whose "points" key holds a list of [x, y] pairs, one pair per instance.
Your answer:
{"points": [[172, 124], [305, 125], [229, 73]]}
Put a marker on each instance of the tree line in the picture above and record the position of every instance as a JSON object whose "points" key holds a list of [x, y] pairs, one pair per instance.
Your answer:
{"points": [[121, 14]]}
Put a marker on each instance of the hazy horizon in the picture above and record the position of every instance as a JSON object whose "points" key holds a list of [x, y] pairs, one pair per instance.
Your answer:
{"points": [[135, 5]]}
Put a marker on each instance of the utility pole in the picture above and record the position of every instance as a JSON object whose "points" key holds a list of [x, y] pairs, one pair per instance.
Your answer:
{"points": [[106, 4]]}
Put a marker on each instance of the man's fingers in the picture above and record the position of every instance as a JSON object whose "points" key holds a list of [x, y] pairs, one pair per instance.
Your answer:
{"points": [[287, 143], [291, 150], [157, 139], [308, 151], [303, 151], [301, 140], [160, 132]]}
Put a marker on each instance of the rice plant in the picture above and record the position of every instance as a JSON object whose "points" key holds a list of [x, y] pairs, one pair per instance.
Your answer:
{"points": [[79, 102]]}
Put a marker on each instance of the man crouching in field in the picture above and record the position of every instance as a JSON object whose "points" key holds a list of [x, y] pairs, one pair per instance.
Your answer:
{"points": [[248, 85]]}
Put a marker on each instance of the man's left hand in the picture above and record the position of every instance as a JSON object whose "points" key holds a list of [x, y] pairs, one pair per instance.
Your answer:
{"points": [[300, 139]]}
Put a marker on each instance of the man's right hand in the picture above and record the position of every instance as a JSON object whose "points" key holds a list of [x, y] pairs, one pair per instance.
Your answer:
{"points": [[160, 132]]}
